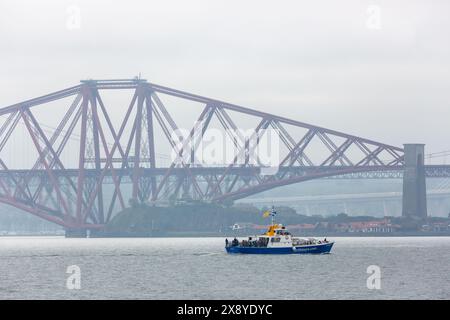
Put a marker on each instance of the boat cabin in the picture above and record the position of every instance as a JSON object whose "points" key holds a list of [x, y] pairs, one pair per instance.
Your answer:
{"points": [[277, 236]]}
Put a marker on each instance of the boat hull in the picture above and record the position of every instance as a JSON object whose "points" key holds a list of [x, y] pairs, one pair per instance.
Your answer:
{"points": [[310, 249]]}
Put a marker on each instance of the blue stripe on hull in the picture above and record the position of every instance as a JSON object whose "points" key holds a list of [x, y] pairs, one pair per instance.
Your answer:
{"points": [[320, 248]]}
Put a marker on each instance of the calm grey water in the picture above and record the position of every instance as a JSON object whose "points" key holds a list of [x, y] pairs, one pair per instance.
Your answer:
{"points": [[198, 268]]}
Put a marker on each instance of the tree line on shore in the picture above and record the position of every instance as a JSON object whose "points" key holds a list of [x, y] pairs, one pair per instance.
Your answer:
{"points": [[208, 217]]}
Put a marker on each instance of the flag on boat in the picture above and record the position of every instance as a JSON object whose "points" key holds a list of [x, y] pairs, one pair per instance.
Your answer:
{"points": [[270, 213]]}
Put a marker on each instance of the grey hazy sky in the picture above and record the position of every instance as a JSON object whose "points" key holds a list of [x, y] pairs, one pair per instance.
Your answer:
{"points": [[322, 62]]}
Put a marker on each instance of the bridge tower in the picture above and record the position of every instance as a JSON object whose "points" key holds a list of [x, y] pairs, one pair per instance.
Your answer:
{"points": [[414, 187]]}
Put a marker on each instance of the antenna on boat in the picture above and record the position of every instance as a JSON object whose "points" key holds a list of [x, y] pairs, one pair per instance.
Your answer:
{"points": [[273, 213]]}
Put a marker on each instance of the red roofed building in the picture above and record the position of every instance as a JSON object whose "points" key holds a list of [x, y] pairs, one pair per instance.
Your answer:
{"points": [[372, 226]]}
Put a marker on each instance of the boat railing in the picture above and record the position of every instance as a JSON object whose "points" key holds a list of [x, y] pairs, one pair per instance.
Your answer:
{"points": [[247, 243]]}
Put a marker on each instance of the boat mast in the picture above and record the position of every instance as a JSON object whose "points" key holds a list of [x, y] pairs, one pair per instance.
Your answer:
{"points": [[273, 213]]}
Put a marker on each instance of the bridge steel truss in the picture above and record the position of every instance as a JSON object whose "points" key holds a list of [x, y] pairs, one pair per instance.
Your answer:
{"points": [[76, 197]]}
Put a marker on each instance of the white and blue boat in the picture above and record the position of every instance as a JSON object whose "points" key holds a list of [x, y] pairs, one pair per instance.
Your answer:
{"points": [[278, 240]]}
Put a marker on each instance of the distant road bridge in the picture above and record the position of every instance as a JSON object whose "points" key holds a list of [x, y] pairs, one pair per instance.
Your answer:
{"points": [[383, 203], [337, 197], [117, 143], [431, 171]]}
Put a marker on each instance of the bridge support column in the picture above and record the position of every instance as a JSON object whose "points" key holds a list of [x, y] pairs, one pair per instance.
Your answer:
{"points": [[414, 187], [76, 233]]}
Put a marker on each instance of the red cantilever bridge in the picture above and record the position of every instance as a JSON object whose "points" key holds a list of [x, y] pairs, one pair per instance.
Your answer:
{"points": [[88, 150]]}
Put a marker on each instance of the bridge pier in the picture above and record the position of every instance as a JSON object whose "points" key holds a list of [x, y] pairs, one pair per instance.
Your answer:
{"points": [[414, 187], [76, 233]]}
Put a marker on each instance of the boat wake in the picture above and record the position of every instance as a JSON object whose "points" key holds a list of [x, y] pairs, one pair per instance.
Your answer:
{"points": [[207, 254]]}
